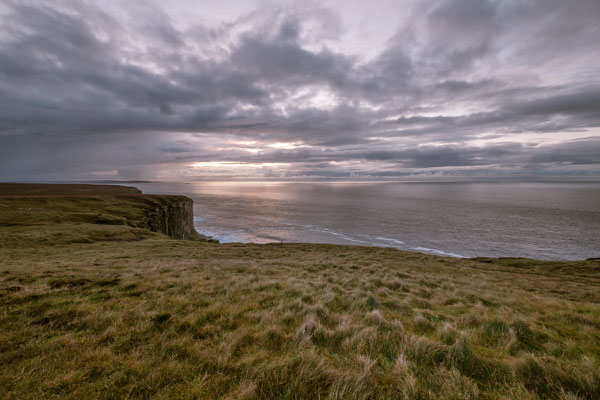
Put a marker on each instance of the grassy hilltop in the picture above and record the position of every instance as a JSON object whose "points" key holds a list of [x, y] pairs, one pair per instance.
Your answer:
{"points": [[96, 302]]}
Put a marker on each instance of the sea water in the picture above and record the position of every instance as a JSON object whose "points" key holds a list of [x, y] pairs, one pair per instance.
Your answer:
{"points": [[554, 221]]}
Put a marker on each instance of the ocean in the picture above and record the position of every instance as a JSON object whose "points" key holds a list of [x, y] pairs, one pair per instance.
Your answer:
{"points": [[550, 221]]}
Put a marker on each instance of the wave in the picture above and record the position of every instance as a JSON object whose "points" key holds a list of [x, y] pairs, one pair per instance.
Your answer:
{"points": [[340, 235], [389, 240], [221, 236], [438, 252], [234, 237]]}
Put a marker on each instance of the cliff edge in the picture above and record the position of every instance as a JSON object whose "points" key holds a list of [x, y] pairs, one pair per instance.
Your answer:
{"points": [[171, 215], [90, 213]]}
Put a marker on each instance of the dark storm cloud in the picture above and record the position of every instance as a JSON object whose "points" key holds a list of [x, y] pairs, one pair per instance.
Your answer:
{"points": [[573, 110], [85, 88], [579, 152]]}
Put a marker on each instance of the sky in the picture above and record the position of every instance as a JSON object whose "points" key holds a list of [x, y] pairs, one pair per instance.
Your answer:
{"points": [[287, 90]]}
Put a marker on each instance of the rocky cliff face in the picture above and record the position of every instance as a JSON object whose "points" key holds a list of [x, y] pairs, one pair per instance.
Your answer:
{"points": [[172, 215], [87, 212]]}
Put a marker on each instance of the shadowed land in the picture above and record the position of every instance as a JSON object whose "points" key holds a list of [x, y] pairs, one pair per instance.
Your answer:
{"points": [[96, 302], [71, 190]]}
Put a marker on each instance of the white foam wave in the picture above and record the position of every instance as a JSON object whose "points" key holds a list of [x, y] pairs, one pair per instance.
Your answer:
{"points": [[340, 235], [435, 251], [389, 240], [231, 237], [221, 237]]}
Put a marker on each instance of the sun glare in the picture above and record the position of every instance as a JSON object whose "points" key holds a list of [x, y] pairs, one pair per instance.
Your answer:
{"points": [[234, 164], [284, 146]]}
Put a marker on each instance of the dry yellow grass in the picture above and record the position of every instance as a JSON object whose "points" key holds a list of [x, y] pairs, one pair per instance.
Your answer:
{"points": [[161, 318]]}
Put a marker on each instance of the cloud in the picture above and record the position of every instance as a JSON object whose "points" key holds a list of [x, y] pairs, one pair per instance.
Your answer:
{"points": [[460, 85]]}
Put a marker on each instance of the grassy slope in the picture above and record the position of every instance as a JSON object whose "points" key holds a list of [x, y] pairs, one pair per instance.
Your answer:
{"points": [[92, 311]]}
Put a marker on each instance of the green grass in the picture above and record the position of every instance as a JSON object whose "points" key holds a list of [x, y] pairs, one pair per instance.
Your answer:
{"points": [[103, 311]]}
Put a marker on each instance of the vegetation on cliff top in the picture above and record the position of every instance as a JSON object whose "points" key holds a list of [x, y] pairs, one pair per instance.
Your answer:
{"points": [[129, 313], [88, 213]]}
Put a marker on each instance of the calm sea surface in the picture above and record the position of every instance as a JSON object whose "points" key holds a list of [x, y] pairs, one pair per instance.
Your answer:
{"points": [[555, 221]]}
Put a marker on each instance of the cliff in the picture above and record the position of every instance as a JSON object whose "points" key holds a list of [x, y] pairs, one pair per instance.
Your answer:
{"points": [[90, 213], [172, 216]]}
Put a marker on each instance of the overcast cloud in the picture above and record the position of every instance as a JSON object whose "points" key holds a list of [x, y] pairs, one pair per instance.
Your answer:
{"points": [[453, 89]]}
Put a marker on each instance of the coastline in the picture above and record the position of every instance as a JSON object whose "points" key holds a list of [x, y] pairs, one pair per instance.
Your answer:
{"points": [[232, 238], [116, 310], [540, 221]]}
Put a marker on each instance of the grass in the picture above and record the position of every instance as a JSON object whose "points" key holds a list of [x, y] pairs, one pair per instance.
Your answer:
{"points": [[161, 318]]}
